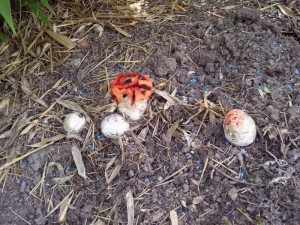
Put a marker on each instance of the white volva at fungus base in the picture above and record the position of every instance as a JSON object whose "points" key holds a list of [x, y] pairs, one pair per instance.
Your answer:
{"points": [[114, 126], [242, 133], [74, 122], [134, 113]]}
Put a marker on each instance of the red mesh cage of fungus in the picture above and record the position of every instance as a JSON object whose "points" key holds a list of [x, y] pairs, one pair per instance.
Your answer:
{"points": [[235, 116], [136, 86]]}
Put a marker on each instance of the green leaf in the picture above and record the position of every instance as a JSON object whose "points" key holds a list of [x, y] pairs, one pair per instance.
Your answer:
{"points": [[267, 90], [47, 5], [2, 37], [36, 10], [5, 11], [260, 221]]}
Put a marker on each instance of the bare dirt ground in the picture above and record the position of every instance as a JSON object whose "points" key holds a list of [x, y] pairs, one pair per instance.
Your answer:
{"points": [[176, 160]]}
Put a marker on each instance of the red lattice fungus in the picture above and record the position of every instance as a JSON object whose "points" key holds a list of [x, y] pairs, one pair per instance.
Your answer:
{"points": [[235, 116], [136, 86]]}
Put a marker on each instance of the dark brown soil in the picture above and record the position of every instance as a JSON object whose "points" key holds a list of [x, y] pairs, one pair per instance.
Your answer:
{"points": [[246, 62]]}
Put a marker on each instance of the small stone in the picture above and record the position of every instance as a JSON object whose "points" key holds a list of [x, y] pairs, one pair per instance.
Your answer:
{"points": [[159, 178], [198, 199], [130, 173], [83, 44], [186, 188], [233, 194]]}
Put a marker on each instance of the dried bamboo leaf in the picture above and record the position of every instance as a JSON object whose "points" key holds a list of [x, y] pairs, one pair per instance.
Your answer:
{"points": [[212, 118], [59, 167], [29, 127], [98, 222], [78, 161], [48, 140], [64, 207], [26, 88], [171, 131], [6, 134], [62, 180], [168, 103], [4, 103], [45, 48], [99, 109], [120, 30], [20, 123], [130, 208], [114, 174], [170, 99], [75, 136], [74, 106], [3, 174], [142, 135], [61, 39], [286, 10], [173, 217]]}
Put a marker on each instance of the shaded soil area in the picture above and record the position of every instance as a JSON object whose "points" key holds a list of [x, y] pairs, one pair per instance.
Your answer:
{"points": [[236, 59]]}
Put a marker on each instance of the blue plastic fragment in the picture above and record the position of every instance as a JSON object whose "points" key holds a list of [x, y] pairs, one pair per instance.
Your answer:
{"points": [[193, 80]]}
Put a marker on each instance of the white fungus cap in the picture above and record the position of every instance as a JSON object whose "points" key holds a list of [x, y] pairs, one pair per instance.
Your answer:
{"points": [[74, 122], [134, 113], [239, 128], [114, 126]]}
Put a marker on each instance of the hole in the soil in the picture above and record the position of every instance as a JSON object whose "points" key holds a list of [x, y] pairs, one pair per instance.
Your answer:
{"points": [[292, 34]]}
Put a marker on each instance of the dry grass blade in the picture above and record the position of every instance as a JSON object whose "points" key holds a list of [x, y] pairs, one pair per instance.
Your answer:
{"points": [[23, 156], [172, 175], [130, 208], [171, 131], [78, 161], [120, 30], [47, 140], [286, 10], [268, 7], [115, 172], [26, 88], [20, 123], [61, 39], [64, 207], [56, 207], [174, 217], [74, 106]]}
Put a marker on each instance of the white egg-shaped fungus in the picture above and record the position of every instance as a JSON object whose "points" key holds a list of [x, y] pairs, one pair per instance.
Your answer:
{"points": [[114, 126], [74, 122], [239, 128]]}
